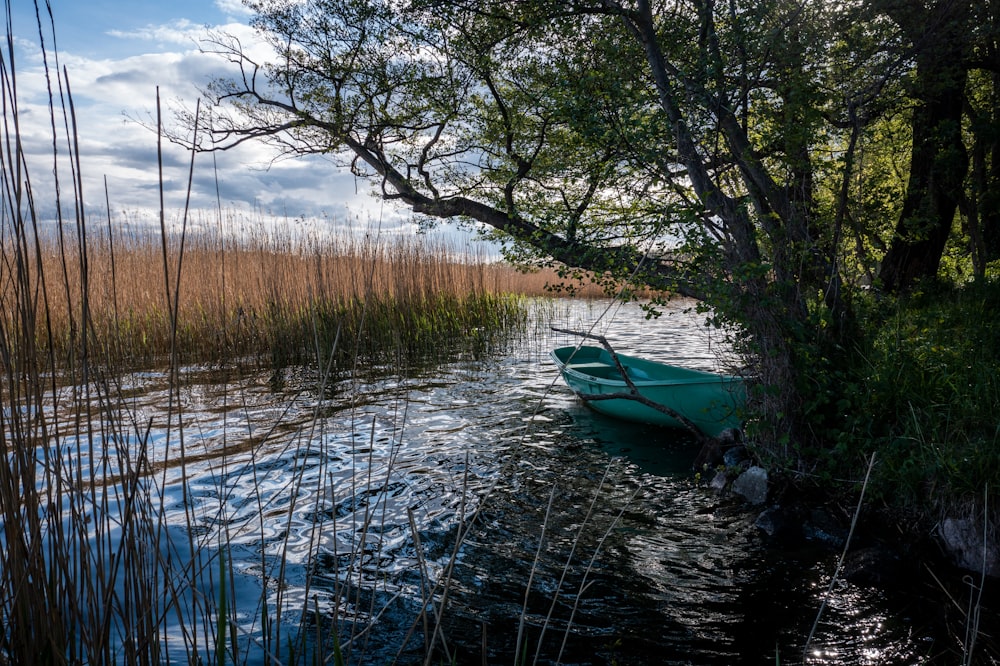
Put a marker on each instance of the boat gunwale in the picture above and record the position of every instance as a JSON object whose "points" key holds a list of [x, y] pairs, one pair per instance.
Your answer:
{"points": [[701, 376]]}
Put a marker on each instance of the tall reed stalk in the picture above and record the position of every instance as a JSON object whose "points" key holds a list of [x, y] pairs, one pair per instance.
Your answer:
{"points": [[261, 298], [79, 576], [99, 562]]}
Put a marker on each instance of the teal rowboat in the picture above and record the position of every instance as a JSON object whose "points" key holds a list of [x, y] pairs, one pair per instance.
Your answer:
{"points": [[710, 402]]}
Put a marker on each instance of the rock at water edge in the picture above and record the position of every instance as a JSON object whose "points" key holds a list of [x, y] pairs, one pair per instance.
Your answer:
{"points": [[752, 485], [965, 542]]}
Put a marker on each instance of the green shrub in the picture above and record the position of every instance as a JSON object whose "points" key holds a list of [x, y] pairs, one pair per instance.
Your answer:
{"points": [[923, 392]]}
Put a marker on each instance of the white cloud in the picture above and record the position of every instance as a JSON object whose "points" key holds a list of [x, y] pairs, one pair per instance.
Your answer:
{"points": [[179, 32], [115, 104], [233, 8]]}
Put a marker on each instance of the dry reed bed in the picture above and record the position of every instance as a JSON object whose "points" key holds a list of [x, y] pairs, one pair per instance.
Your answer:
{"points": [[275, 299]]}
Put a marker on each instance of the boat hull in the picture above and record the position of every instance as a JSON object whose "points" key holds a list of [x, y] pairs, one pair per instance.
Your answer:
{"points": [[713, 402]]}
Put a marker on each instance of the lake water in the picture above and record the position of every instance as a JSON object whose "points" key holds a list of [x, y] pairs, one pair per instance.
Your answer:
{"points": [[583, 540]]}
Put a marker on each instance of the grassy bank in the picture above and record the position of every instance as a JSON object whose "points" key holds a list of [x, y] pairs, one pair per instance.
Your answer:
{"points": [[923, 396], [934, 387]]}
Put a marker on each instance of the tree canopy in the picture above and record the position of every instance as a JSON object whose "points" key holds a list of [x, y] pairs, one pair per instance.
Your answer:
{"points": [[773, 158]]}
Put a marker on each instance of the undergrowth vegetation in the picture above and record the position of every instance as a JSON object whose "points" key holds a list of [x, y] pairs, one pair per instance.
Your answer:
{"points": [[922, 394], [933, 389]]}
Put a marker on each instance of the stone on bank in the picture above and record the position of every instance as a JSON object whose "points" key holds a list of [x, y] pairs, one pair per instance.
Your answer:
{"points": [[752, 485]]}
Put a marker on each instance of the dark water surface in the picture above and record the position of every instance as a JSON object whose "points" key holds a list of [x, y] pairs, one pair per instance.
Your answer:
{"points": [[351, 505]]}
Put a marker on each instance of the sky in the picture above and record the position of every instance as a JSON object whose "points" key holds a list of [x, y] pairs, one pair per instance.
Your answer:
{"points": [[117, 54]]}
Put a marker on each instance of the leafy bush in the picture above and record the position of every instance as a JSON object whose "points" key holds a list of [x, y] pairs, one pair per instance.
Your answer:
{"points": [[923, 392]]}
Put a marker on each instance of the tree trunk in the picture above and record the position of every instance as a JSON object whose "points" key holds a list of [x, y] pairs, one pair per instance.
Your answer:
{"points": [[986, 180], [938, 159], [772, 306]]}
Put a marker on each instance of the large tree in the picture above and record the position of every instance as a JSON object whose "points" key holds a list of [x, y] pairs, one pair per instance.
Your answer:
{"points": [[981, 203], [939, 33], [705, 147]]}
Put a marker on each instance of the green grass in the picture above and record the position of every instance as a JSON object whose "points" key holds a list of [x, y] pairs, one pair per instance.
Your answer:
{"points": [[382, 330], [926, 396]]}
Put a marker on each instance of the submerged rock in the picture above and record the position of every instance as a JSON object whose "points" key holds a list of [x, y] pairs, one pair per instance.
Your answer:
{"points": [[822, 527], [708, 457], [726, 449], [776, 523], [736, 457], [872, 566], [752, 485]]}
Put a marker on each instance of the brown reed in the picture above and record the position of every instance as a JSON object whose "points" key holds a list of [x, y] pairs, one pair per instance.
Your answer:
{"points": [[242, 295]]}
